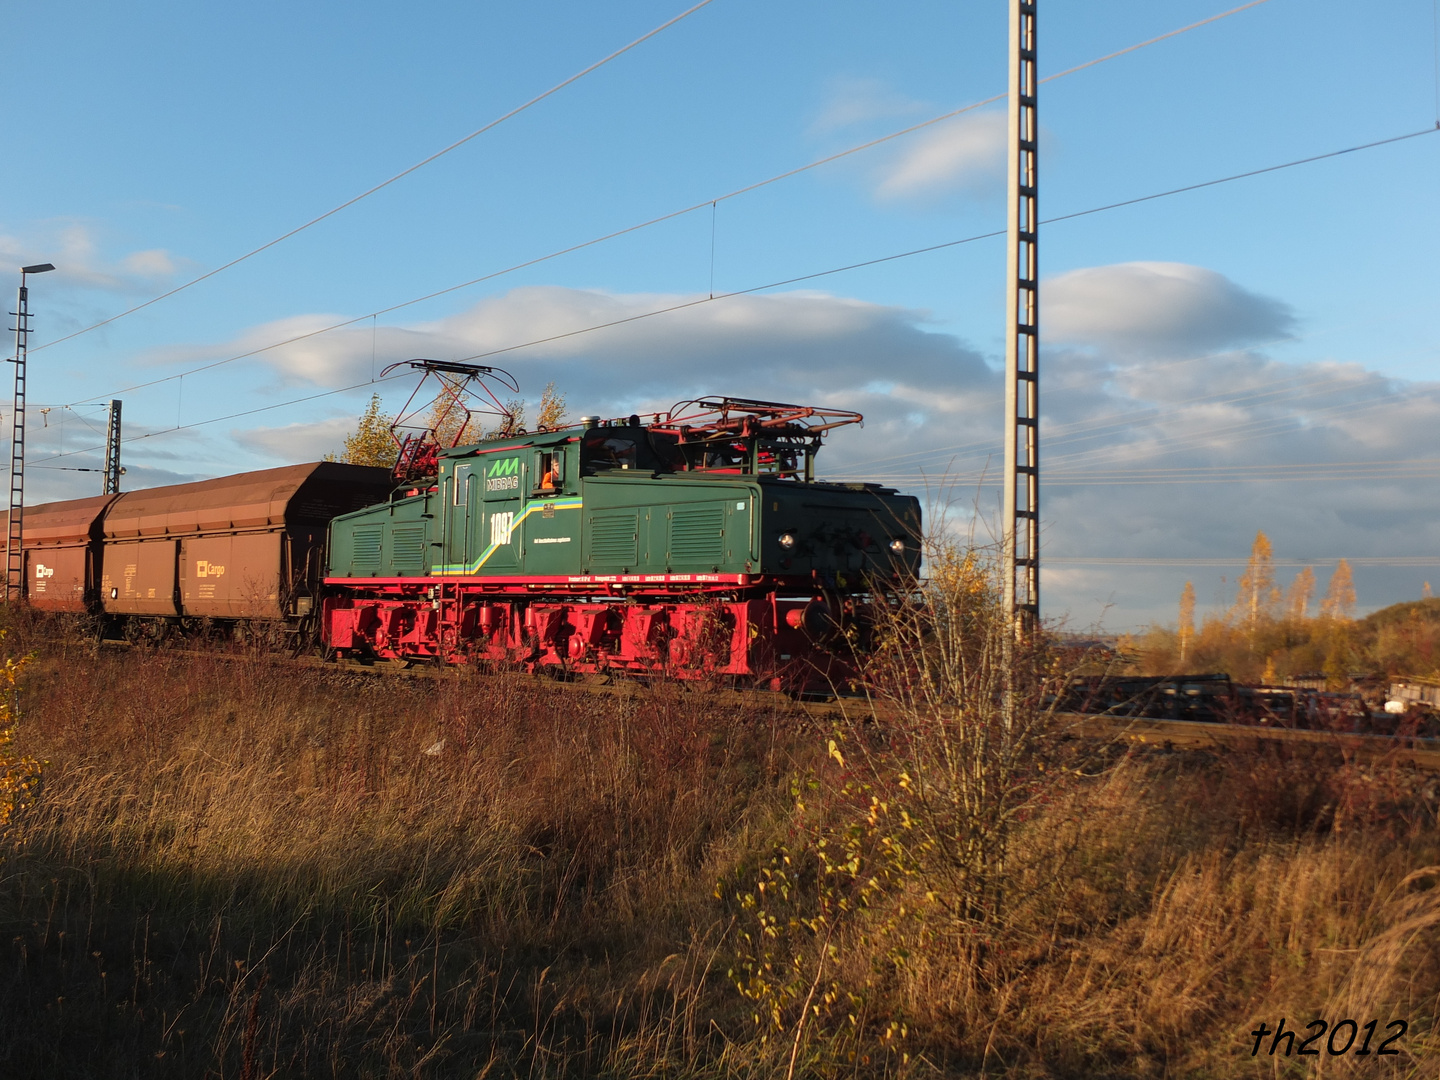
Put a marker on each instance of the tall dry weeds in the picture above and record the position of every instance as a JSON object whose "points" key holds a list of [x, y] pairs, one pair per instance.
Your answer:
{"points": [[240, 869], [419, 869]]}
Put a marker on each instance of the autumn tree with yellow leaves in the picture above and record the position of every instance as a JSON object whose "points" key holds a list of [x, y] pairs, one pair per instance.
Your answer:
{"points": [[551, 413], [1297, 597], [1186, 629], [1257, 596], [371, 442], [451, 422], [1339, 602]]}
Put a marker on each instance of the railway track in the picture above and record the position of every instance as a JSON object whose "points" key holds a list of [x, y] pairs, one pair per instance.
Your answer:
{"points": [[1199, 735], [1138, 731]]}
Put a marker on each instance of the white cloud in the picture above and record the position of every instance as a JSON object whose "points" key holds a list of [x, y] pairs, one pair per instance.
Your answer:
{"points": [[299, 442], [851, 102], [75, 249], [1161, 307], [154, 265], [963, 155], [784, 343]]}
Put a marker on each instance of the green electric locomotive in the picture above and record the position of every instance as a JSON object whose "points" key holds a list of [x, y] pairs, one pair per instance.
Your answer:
{"points": [[697, 543]]}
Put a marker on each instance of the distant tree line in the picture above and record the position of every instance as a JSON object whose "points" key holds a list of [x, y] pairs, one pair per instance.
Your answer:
{"points": [[1269, 634]]}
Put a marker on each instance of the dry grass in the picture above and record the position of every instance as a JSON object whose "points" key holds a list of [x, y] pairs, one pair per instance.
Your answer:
{"points": [[207, 824], [245, 870]]}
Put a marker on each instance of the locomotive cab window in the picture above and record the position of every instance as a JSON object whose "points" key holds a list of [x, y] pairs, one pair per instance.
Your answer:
{"points": [[549, 470], [609, 451]]}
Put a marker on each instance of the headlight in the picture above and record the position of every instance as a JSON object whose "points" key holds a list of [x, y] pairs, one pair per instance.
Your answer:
{"points": [[897, 546], [787, 540]]}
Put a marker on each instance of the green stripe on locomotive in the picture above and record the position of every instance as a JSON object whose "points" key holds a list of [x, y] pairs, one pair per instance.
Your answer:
{"points": [[491, 514]]}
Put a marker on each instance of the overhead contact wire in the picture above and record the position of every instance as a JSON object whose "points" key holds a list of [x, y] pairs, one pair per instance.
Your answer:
{"points": [[758, 288], [658, 220], [385, 183], [737, 292]]}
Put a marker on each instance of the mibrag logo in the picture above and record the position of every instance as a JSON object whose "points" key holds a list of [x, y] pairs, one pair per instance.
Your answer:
{"points": [[504, 475]]}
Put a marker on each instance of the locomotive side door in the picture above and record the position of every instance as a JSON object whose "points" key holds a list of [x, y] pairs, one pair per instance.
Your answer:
{"points": [[499, 540], [460, 550]]}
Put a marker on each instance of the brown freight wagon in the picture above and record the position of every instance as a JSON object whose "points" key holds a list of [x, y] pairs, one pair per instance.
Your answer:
{"points": [[61, 548], [248, 546]]}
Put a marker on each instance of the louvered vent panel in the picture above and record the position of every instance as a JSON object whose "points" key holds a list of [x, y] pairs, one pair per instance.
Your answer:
{"points": [[614, 538], [409, 550], [697, 533], [367, 550]]}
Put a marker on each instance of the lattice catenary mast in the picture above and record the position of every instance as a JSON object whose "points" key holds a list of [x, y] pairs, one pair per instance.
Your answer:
{"points": [[1021, 538], [113, 471], [15, 518]]}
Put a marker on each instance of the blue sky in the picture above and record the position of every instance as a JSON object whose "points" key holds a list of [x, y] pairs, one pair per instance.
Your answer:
{"points": [[1281, 326]]}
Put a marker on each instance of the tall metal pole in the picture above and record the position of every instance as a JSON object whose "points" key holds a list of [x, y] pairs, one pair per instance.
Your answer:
{"points": [[15, 517], [112, 450], [1021, 538]]}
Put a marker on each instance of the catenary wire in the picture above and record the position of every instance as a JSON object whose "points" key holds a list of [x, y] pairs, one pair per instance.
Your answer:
{"points": [[385, 183], [671, 215], [723, 296], [1091, 427], [1200, 560], [1242, 431], [965, 240], [233, 416], [1122, 480], [1096, 427], [1245, 431]]}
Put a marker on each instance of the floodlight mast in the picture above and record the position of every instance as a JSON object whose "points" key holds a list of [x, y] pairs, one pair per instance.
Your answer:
{"points": [[15, 517]]}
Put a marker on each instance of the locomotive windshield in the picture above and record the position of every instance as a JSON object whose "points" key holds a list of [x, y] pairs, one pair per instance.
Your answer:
{"points": [[606, 448], [662, 452]]}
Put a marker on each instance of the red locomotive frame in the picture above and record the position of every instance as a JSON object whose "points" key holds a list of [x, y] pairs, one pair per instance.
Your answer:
{"points": [[755, 637]]}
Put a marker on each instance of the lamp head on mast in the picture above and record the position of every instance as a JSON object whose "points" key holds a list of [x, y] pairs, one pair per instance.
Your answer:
{"points": [[38, 268]]}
